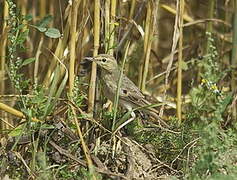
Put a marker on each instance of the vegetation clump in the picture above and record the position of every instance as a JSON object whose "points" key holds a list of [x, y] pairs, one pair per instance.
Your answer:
{"points": [[55, 120]]}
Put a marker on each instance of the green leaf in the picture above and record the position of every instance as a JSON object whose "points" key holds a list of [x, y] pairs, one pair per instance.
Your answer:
{"points": [[28, 17], [184, 65], [22, 37], [45, 21], [47, 126], [21, 26], [17, 131], [28, 61], [53, 33], [225, 103]]}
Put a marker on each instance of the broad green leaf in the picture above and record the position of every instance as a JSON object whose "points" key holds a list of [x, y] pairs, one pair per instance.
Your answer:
{"points": [[22, 37], [28, 17], [184, 65], [225, 103], [28, 61], [45, 21], [17, 131], [53, 33]]}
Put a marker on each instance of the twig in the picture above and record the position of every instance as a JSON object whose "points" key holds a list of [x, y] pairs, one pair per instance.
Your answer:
{"points": [[193, 141], [81, 162]]}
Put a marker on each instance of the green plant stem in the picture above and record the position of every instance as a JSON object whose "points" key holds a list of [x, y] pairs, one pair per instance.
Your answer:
{"points": [[84, 146], [116, 101], [62, 44], [211, 6], [149, 45], [145, 44], [36, 65]]}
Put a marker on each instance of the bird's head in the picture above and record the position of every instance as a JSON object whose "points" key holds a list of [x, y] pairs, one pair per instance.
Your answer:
{"points": [[105, 61]]}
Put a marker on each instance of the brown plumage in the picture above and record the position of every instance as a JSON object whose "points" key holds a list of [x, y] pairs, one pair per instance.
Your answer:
{"points": [[129, 95]]}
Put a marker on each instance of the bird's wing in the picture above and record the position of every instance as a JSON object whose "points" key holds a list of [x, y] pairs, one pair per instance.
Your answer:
{"points": [[129, 92], [128, 88]]}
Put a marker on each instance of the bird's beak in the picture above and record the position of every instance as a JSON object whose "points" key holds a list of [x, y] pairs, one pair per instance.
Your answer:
{"points": [[89, 58]]}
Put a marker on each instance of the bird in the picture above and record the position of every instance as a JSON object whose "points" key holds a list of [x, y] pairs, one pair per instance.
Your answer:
{"points": [[130, 96]]}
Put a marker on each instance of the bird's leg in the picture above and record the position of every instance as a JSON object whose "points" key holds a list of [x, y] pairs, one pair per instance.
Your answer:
{"points": [[133, 116]]}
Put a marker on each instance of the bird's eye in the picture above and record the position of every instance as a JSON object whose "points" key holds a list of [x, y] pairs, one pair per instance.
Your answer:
{"points": [[125, 91], [103, 60]]}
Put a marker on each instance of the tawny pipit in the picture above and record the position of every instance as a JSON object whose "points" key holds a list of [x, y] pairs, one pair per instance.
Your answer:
{"points": [[130, 96]]}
